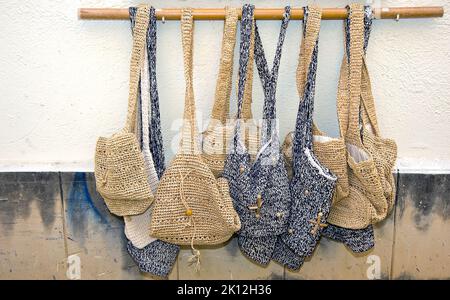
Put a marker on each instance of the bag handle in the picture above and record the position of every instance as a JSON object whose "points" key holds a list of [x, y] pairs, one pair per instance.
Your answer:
{"points": [[221, 105], [156, 143], [311, 28], [306, 77], [137, 60], [189, 143], [343, 87], [355, 67]]}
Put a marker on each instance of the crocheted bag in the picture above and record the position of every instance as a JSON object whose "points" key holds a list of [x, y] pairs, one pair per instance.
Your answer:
{"points": [[191, 206], [259, 188], [370, 158], [358, 240], [151, 255], [331, 152], [120, 174], [312, 185], [219, 133]]}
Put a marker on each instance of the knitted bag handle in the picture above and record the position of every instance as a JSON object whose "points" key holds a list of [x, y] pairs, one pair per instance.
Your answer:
{"points": [[136, 63], [356, 59], [310, 36], [245, 53], [189, 143], [307, 61], [156, 143], [248, 89], [343, 91], [221, 105], [269, 78]]}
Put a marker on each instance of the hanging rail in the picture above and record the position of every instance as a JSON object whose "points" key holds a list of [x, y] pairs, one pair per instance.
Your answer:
{"points": [[264, 13]]}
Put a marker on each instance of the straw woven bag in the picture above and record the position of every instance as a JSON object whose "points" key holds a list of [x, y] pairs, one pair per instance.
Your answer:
{"points": [[192, 207], [217, 136], [331, 152], [369, 156], [120, 173]]}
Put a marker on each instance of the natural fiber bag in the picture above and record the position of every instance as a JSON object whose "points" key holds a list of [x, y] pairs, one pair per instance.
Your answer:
{"points": [[120, 173], [259, 187], [192, 207], [312, 184], [151, 255], [331, 152], [358, 240], [217, 136], [369, 199]]}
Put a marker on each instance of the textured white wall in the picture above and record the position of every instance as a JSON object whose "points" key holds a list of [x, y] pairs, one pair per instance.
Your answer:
{"points": [[63, 81]]}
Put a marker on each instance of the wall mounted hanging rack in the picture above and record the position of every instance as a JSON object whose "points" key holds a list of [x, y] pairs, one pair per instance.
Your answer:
{"points": [[265, 13]]}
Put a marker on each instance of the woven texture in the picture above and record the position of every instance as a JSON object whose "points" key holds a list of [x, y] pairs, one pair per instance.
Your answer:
{"points": [[191, 206], [370, 158], [120, 173], [219, 133], [157, 258], [259, 188], [312, 185]]}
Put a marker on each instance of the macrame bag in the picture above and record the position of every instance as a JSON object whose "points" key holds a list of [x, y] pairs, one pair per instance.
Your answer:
{"points": [[152, 256], [120, 173], [312, 184], [259, 188], [191, 206], [369, 156], [219, 132]]}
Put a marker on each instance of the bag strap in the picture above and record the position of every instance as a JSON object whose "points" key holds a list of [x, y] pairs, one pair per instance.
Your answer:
{"points": [[306, 83], [343, 88], [156, 142], [269, 78], [355, 68], [189, 142], [221, 105], [137, 60], [307, 46], [247, 113], [247, 23]]}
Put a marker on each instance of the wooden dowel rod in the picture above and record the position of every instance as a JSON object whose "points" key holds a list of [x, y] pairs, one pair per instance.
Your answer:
{"points": [[264, 13]]}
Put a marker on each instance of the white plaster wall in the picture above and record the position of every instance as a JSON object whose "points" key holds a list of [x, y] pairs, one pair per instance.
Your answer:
{"points": [[63, 81]]}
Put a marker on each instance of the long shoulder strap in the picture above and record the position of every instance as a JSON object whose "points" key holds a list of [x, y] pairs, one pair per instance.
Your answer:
{"points": [[137, 60], [356, 58], [307, 59], [221, 105], [156, 142], [189, 143]]}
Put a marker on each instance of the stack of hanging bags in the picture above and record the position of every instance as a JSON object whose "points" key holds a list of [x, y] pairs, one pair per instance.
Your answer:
{"points": [[278, 199]]}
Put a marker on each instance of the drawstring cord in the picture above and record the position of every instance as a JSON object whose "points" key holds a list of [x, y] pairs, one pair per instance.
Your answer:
{"points": [[194, 259]]}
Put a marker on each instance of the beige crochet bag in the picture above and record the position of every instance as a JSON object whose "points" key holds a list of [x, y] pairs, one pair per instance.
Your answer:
{"points": [[192, 207], [120, 173], [369, 157], [217, 136], [331, 152]]}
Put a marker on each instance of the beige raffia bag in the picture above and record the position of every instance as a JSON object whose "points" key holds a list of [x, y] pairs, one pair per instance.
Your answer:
{"points": [[192, 207], [331, 152], [220, 130], [370, 158], [120, 174]]}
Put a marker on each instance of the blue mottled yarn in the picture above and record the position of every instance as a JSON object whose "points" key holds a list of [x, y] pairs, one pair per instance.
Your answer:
{"points": [[266, 176], [312, 186], [158, 257], [358, 240]]}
